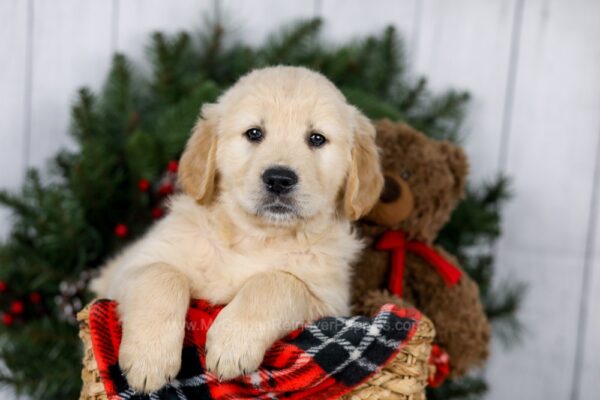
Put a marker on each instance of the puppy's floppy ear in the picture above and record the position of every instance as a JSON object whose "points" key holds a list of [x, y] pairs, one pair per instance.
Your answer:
{"points": [[365, 179], [197, 169]]}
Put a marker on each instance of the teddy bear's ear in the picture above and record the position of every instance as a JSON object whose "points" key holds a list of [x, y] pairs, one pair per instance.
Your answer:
{"points": [[459, 165]]}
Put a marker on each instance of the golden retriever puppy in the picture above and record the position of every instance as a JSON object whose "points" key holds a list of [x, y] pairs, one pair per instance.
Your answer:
{"points": [[272, 176]]}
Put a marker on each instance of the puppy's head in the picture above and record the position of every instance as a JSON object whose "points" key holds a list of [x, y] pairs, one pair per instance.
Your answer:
{"points": [[283, 145]]}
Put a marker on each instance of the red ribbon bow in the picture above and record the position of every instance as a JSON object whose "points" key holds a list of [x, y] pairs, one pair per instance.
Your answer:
{"points": [[395, 241], [440, 359]]}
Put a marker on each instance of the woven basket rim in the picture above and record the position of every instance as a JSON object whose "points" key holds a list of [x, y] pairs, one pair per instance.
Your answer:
{"points": [[404, 377]]}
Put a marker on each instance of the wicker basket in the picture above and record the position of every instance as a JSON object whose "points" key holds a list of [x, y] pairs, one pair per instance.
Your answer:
{"points": [[92, 388], [404, 378]]}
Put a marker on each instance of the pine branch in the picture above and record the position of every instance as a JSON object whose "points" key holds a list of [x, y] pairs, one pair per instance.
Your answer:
{"points": [[371, 105], [118, 99], [293, 45], [468, 388], [386, 62], [442, 116], [175, 67], [413, 97], [480, 269], [212, 44], [501, 306], [179, 119], [476, 220], [84, 117], [16, 204]]}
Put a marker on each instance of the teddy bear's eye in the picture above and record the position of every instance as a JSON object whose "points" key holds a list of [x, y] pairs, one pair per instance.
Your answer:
{"points": [[406, 174]]}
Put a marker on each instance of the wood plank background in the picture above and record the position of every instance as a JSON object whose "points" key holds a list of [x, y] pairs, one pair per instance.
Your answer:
{"points": [[532, 66]]}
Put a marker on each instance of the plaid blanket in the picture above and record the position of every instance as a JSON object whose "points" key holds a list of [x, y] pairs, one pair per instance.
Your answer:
{"points": [[322, 360]]}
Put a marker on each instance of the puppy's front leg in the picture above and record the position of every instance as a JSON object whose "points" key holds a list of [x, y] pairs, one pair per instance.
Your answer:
{"points": [[268, 306], [153, 304]]}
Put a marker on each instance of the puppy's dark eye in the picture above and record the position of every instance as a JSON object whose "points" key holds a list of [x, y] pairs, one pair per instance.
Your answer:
{"points": [[254, 135], [316, 140], [406, 174]]}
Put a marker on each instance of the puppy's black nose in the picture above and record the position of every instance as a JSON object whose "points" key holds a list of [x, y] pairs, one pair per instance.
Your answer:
{"points": [[279, 180]]}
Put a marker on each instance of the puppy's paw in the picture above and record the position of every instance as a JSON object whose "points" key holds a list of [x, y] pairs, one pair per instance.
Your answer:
{"points": [[233, 351], [148, 366]]}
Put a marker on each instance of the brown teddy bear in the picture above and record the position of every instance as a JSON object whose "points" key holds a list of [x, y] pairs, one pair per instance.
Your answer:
{"points": [[424, 180]]}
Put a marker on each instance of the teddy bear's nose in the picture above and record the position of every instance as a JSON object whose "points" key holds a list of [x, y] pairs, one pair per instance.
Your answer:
{"points": [[391, 190]]}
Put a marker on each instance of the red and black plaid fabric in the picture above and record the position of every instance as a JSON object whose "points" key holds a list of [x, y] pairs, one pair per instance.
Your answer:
{"points": [[323, 360]]}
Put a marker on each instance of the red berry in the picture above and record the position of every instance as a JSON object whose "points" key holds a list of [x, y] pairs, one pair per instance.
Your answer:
{"points": [[165, 189], [7, 319], [35, 297], [157, 212], [17, 307], [3, 286], [172, 166], [121, 230], [143, 185]]}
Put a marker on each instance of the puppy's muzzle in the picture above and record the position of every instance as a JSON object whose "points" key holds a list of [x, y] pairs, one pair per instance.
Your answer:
{"points": [[279, 180]]}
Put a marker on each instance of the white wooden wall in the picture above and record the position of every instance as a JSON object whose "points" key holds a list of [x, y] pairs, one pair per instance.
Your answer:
{"points": [[532, 66]]}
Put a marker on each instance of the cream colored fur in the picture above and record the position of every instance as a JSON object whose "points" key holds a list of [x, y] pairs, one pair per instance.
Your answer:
{"points": [[273, 271]]}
